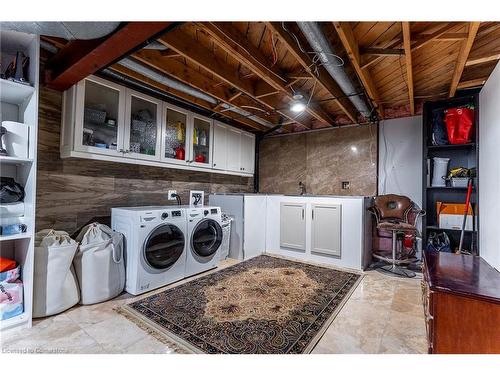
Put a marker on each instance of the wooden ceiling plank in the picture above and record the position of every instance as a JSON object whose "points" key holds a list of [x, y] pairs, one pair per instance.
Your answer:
{"points": [[350, 44], [472, 83], [483, 58], [81, 62], [430, 37], [247, 54], [202, 56], [323, 78], [409, 73], [462, 57], [382, 51]]}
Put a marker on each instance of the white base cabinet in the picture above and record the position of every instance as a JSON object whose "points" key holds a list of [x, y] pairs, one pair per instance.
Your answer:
{"points": [[293, 226], [326, 229], [105, 121]]}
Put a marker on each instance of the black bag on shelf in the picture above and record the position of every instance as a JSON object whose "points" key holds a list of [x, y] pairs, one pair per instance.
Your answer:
{"points": [[10, 191], [439, 132], [439, 242]]}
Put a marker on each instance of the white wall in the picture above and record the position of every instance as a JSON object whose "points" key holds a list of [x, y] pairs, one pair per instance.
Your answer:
{"points": [[400, 157], [489, 169]]}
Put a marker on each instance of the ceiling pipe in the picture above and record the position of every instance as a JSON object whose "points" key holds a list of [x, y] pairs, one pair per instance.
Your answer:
{"points": [[322, 47], [182, 87], [66, 30]]}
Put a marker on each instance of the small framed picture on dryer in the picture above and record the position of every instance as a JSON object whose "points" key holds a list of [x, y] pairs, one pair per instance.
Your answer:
{"points": [[196, 198]]}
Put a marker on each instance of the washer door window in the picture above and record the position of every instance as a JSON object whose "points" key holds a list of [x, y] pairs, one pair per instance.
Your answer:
{"points": [[206, 238], [164, 246]]}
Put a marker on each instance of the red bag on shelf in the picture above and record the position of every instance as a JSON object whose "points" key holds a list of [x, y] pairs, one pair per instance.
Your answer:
{"points": [[7, 264], [459, 124]]}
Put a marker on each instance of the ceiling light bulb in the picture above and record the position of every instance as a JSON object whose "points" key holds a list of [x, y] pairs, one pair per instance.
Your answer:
{"points": [[297, 107], [297, 104]]}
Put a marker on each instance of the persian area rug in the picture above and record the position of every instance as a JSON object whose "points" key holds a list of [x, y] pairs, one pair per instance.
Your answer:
{"points": [[265, 305]]}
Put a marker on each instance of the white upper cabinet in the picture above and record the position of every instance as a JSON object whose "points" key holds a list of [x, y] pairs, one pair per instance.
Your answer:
{"points": [[233, 149], [105, 121], [99, 117], [326, 229], [201, 142], [247, 153], [174, 135], [219, 159], [143, 116]]}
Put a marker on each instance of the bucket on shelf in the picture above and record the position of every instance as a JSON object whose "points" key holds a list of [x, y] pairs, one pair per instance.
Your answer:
{"points": [[440, 171]]}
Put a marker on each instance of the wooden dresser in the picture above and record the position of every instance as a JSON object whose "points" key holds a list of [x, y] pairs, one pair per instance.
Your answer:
{"points": [[461, 297]]}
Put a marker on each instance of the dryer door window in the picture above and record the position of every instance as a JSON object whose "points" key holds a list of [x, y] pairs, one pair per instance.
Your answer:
{"points": [[206, 237], [164, 246]]}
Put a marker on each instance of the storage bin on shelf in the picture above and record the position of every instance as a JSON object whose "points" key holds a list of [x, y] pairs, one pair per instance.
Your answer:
{"points": [[11, 289]]}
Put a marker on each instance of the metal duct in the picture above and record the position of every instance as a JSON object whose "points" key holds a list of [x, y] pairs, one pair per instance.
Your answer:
{"points": [[167, 81], [320, 44], [180, 86], [66, 30]]}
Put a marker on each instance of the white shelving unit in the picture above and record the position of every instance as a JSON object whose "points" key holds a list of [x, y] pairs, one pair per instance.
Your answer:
{"points": [[19, 103]]}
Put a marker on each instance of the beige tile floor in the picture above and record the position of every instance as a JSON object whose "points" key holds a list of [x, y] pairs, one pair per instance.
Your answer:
{"points": [[383, 315]]}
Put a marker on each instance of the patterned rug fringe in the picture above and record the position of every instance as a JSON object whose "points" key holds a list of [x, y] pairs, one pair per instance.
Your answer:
{"points": [[164, 339]]}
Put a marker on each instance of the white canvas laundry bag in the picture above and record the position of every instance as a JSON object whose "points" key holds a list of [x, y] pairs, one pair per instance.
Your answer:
{"points": [[99, 263], [55, 288]]}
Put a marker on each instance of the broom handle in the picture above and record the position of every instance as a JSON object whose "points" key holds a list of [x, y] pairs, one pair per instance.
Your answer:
{"points": [[466, 211]]}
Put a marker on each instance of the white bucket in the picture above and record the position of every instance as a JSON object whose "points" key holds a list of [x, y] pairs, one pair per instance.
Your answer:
{"points": [[440, 171]]}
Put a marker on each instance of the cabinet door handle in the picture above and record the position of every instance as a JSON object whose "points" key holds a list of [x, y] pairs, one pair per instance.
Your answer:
{"points": [[313, 214], [302, 214], [215, 164]]}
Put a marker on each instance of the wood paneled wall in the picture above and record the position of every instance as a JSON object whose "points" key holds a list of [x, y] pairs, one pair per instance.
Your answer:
{"points": [[321, 160], [70, 192]]}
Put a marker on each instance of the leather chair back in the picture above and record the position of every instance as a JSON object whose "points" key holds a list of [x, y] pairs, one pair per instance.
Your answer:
{"points": [[393, 207]]}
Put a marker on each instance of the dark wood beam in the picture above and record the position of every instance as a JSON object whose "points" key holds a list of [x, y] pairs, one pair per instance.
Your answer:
{"points": [[81, 58], [322, 77], [462, 57], [200, 55]]}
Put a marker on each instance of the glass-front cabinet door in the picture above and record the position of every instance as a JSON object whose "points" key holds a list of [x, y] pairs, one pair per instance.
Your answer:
{"points": [[201, 142], [142, 126], [99, 117], [175, 135]]}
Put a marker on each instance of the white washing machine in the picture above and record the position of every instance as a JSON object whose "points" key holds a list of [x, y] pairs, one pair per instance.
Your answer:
{"points": [[205, 238], [155, 245]]}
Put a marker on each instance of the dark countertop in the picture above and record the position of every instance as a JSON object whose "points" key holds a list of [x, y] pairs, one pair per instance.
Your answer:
{"points": [[465, 275]]}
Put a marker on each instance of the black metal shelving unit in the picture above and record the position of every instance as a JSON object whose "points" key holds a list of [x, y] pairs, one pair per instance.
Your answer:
{"points": [[464, 155]]}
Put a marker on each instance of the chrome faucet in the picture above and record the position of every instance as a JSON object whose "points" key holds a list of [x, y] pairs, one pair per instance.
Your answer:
{"points": [[302, 188]]}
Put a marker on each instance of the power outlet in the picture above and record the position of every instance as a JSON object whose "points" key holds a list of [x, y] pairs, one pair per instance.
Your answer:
{"points": [[170, 195]]}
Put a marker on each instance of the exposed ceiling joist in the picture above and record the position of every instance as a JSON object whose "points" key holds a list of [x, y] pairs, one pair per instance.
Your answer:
{"points": [[409, 69], [193, 78], [472, 83], [323, 77], [350, 44], [433, 36], [462, 57], [235, 43], [203, 56], [80, 59], [421, 40], [484, 58]]}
